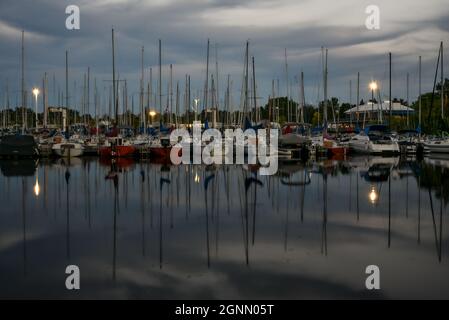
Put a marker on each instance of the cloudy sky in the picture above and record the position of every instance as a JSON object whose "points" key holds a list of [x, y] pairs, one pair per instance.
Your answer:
{"points": [[407, 29]]}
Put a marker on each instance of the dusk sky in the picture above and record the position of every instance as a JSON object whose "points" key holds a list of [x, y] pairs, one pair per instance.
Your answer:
{"points": [[407, 29]]}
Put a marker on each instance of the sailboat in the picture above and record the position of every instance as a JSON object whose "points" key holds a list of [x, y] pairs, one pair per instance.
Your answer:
{"points": [[19, 145], [325, 141], [160, 148], [116, 146], [439, 145], [375, 139], [68, 149]]}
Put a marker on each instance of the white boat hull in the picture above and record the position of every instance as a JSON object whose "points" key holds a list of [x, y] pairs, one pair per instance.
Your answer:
{"points": [[68, 150], [368, 147]]}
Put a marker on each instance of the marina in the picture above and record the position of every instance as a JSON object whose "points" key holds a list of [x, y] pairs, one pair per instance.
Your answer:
{"points": [[224, 150]]}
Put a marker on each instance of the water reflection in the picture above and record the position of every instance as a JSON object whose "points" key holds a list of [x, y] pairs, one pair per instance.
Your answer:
{"points": [[146, 230]]}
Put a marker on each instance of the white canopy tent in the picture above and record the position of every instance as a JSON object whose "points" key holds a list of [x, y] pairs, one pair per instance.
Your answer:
{"points": [[396, 109]]}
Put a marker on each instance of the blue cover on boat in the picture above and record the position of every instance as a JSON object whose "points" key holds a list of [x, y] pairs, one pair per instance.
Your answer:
{"points": [[247, 125], [163, 129], [376, 127]]}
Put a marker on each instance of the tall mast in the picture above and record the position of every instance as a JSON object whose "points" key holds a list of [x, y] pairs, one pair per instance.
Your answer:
{"points": [[216, 77], [189, 99], [324, 52], [88, 96], [419, 71], [171, 92], [442, 83], [95, 102], [245, 103], [228, 101], [160, 79], [254, 92], [66, 79], [45, 100], [286, 83], [151, 89], [303, 98], [23, 84], [407, 99], [389, 119], [358, 96], [114, 94], [177, 104], [142, 113], [206, 92], [84, 100]]}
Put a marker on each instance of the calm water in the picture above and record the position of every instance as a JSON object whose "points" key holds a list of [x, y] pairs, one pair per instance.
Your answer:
{"points": [[191, 232]]}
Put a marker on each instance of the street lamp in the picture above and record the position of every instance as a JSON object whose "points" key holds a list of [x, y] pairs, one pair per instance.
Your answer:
{"points": [[196, 106], [152, 115], [36, 93], [373, 87]]}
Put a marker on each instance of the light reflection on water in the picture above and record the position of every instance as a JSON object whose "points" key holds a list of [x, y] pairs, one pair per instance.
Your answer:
{"points": [[142, 230]]}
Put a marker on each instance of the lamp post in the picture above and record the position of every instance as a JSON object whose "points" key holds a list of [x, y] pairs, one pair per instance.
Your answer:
{"points": [[36, 94], [373, 87], [152, 115], [196, 107]]}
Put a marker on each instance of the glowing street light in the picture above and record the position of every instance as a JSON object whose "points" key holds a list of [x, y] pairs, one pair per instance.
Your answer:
{"points": [[36, 94], [152, 114], [373, 87]]}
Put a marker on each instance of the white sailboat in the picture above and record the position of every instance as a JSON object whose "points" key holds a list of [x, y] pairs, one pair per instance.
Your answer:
{"points": [[375, 139], [68, 149]]}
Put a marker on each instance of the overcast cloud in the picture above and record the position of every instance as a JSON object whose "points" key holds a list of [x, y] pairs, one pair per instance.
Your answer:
{"points": [[408, 29]]}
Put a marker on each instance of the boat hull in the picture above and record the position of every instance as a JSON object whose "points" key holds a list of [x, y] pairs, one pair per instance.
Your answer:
{"points": [[18, 146], [437, 147], [68, 150]]}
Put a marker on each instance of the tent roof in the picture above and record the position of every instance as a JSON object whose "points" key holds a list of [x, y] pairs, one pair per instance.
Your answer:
{"points": [[396, 107]]}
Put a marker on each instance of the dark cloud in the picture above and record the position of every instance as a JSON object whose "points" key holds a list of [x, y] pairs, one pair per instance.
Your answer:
{"points": [[185, 26]]}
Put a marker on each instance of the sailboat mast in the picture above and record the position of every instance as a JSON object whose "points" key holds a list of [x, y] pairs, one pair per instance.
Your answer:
{"points": [[442, 83], [303, 99], [256, 118], [177, 104], [88, 96], [245, 104], [45, 100], [358, 96], [206, 92], [324, 52], [171, 92], [142, 112], [23, 84], [419, 85], [390, 116], [113, 79], [287, 85], [160, 79], [216, 78], [407, 99]]}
